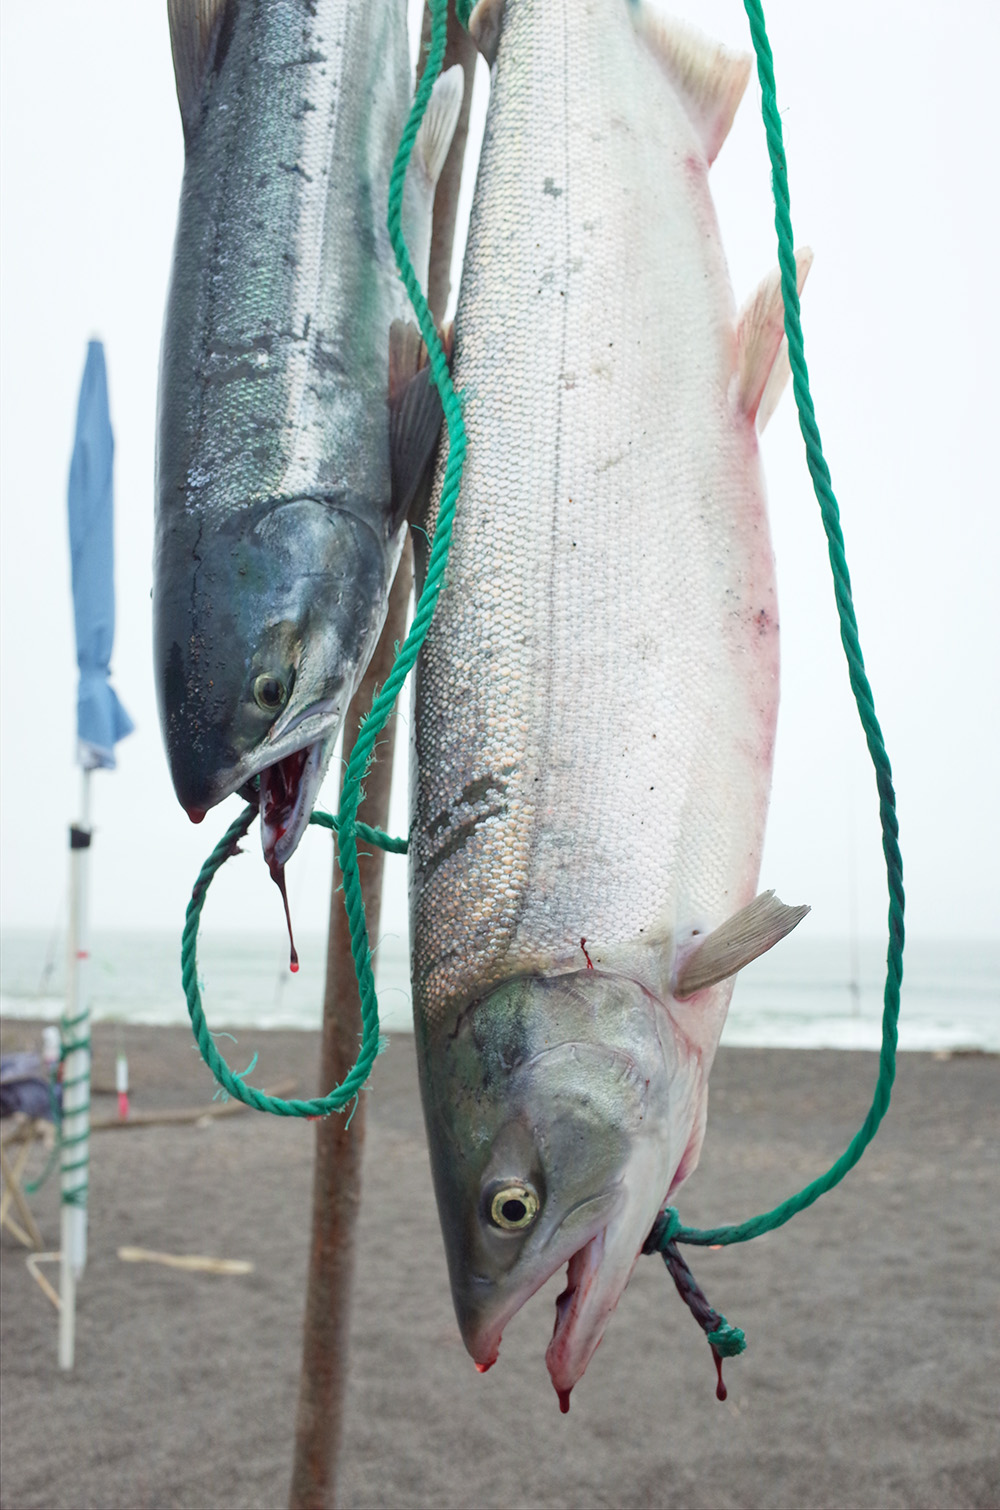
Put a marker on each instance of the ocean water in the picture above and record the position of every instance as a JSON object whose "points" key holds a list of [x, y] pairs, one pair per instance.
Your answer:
{"points": [[806, 993]]}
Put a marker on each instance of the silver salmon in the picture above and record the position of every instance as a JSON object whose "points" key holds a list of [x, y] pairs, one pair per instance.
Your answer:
{"points": [[294, 420], [596, 701]]}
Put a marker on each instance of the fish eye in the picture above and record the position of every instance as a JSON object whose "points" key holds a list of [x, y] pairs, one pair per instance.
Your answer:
{"points": [[514, 1207], [269, 692]]}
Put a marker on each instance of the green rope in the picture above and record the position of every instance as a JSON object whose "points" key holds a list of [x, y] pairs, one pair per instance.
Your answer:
{"points": [[348, 828], [668, 1230], [860, 686], [830, 512], [231, 1080]]}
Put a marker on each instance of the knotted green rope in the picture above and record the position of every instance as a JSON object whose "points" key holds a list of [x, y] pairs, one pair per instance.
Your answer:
{"points": [[348, 830]]}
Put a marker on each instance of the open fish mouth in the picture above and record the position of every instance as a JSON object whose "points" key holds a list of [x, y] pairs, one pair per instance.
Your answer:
{"points": [[582, 1312], [580, 1321], [572, 1344], [288, 792]]}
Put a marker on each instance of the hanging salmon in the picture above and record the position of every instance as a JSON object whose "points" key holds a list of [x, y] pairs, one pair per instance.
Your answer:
{"points": [[596, 699], [295, 420]]}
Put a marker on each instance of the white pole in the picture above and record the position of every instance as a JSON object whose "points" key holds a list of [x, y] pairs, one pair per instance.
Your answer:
{"points": [[76, 1082], [852, 883]]}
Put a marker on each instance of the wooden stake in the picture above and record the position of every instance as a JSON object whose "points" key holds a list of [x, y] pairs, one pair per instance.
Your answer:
{"points": [[337, 1173]]}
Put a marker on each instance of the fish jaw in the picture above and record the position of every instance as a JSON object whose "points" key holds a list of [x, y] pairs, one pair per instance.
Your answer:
{"points": [[288, 793], [601, 1257], [483, 1309], [599, 1272]]}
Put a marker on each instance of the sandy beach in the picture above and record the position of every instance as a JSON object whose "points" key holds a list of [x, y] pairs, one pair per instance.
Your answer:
{"points": [[872, 1376]]}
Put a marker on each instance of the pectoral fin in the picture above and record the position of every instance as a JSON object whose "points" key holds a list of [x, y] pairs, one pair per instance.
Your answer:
{"points": [[194, 31], [762, 360], [708, 77], [751, 932], [438, 125], [415, 416]]}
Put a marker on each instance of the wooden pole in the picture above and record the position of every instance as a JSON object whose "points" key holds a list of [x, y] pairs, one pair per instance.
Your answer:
{"points": [[337, 1172]]}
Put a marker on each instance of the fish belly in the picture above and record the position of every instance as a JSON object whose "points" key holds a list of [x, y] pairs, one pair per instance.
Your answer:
{"points": [[596, 700]]}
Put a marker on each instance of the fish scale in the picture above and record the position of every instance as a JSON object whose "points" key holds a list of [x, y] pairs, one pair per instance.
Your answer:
{"points": [[256, 298], [608, 639]]}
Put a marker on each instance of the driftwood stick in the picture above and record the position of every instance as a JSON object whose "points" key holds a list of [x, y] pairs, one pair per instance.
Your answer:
{"points": [[172, 1115]]}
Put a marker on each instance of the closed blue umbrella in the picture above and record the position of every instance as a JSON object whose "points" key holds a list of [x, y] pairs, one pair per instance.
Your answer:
{"points": [[101, 722], [101, 719]]}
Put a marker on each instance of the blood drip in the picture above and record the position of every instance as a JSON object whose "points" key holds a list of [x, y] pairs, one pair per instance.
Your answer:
{"points": [[484, 1368], [590, 966], [278, 877], [563, 1400], [721, 1392]]}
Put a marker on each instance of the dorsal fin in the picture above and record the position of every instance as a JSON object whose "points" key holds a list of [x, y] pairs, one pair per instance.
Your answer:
{"points": [[485, 25], [708, 77], [762, 350], [194, 26], [748, 933]]}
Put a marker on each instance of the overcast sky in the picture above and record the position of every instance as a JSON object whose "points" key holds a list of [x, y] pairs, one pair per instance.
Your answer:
{"points": [[891, 131]]}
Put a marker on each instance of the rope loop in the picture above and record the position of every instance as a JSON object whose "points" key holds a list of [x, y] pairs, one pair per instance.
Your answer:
{"points": [[232, 1081], [666, 1234], [665, 1230], [830, 513]]}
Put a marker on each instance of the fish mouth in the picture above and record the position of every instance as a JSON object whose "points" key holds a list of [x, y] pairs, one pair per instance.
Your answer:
{"points": [[482, 1333], [288, 792], [582, 1312]]}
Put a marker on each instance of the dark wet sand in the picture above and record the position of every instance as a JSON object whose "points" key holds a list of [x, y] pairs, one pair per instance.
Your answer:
{"points": [[872, 1376]]}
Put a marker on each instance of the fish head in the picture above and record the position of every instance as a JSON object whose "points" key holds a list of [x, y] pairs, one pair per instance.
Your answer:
{"points": [[262, 628], [558, 1113]]}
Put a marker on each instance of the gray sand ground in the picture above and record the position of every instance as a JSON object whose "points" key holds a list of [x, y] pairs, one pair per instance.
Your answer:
{"points": [[872, 1376]]}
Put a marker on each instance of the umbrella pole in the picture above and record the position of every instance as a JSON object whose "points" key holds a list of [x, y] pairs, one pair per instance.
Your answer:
{"points": [[75, 1130], [337, 1172]]}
